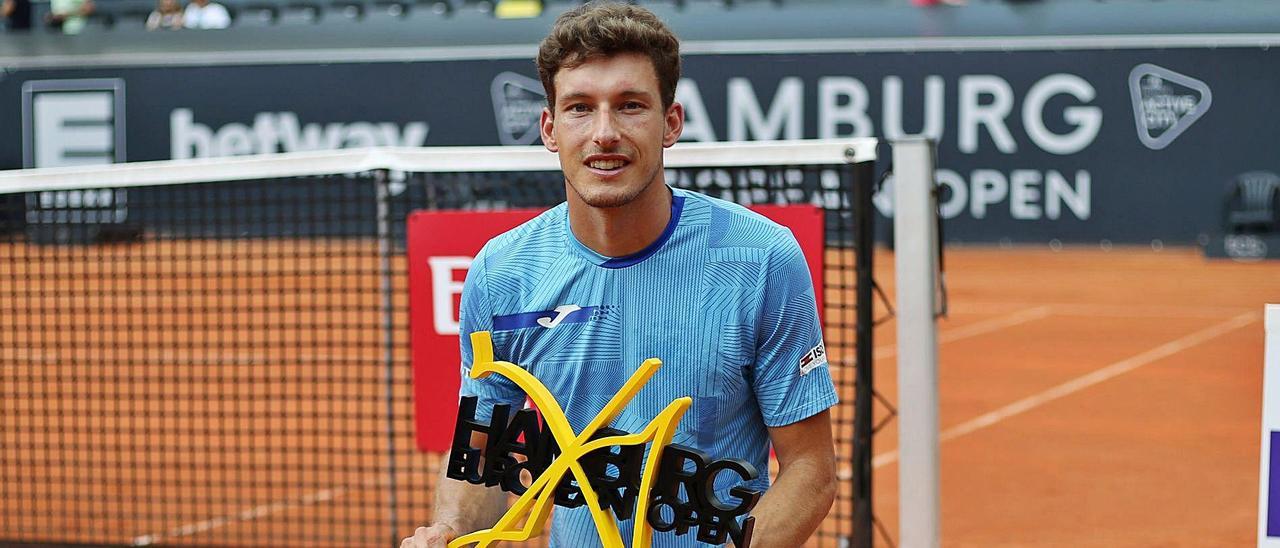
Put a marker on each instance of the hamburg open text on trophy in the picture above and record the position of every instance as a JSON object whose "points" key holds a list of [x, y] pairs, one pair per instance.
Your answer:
{"points": [[671, 488]]}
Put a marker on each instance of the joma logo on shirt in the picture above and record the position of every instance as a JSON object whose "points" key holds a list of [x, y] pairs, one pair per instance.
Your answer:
{"points": [[550, 319], [563, 311]]}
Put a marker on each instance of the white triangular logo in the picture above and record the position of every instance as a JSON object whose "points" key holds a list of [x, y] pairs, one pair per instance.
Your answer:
{"points": [[517, 106], [1165, 103]]}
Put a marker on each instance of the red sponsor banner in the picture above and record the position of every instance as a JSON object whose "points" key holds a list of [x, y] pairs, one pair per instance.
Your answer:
{"points": [[440, 249], [441, 246]]}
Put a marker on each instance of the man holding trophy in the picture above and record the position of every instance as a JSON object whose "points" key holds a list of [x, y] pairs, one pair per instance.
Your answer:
{"points": [[629, 269]]}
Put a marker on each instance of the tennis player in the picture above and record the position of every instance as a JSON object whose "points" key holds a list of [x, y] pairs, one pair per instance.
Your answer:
{"points": [[630, 268]]}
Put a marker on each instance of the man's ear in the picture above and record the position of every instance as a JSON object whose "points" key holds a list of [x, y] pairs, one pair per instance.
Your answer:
{"points": [[547, 125], [674, 124]]}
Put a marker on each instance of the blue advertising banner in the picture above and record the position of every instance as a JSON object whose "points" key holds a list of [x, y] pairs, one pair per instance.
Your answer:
{"points": [[1086, 145]]}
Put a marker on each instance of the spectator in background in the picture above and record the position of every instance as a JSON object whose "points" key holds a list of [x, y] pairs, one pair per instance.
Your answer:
{"points": [[204, 14], [69, 15], [17, 14], [167, 15]]}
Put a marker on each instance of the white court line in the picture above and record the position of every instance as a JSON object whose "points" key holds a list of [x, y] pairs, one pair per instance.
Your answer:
{"points": [[977, 328], [1148, 311], [248, 514], [1080, 383], [1114, 310]]}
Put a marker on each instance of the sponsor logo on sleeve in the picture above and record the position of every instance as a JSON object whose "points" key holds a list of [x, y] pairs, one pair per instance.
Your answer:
{"points": [[816, 357]]}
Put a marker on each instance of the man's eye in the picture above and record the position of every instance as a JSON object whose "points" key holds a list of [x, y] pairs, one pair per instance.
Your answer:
{"points": [[579, 107], [632, 105]]}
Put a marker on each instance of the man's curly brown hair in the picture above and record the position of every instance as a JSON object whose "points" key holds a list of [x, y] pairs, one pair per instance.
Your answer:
{"points": [[603, 29]]}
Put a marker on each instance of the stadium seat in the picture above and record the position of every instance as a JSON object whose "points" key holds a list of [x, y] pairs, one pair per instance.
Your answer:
{"points": [[132, 18], [1253, 204], [120, 15], [390, 9], [300, 13], [483, 6], [441, 8], [100, 20], [346, 10], [255, 15]]}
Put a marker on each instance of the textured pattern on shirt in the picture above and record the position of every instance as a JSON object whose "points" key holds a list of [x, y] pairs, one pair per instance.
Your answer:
{"points": [[726, 302]]}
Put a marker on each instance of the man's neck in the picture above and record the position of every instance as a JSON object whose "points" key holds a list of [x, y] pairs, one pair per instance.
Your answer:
{"points": [[624, 230]]}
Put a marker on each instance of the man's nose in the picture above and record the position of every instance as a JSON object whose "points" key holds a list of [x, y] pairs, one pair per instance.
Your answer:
{"points": [[605, 134]]}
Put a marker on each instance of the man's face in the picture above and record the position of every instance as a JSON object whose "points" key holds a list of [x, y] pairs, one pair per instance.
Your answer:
{"points": [[609, 128]]}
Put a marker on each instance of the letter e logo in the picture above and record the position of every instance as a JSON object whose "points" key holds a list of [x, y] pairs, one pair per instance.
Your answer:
{"points": [[443, 287]]}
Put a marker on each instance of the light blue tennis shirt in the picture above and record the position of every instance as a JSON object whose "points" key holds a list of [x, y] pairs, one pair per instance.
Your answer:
{"points": [[723, 297]]}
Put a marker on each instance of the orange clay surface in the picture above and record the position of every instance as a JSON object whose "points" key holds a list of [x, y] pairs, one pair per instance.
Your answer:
{"points": [[1088, 398], [1163, 453]]}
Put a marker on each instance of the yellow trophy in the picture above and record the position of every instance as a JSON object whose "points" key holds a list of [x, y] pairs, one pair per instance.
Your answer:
{"points": [[713, 517]]}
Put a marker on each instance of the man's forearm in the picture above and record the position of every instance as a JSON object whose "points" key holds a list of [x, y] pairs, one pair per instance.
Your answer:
{"points": [[467, 507], [793, 507]]}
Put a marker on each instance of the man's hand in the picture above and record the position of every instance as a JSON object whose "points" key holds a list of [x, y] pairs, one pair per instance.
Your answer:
{"points": [[437, 535], [460, 507]]}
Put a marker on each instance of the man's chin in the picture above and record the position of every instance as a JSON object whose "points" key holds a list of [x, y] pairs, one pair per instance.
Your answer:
{"points": [[608, 197], [606, 200]]}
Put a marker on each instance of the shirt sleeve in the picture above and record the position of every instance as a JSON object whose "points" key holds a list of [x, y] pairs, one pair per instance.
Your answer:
{"points": [[791, 377], [476, 314]]}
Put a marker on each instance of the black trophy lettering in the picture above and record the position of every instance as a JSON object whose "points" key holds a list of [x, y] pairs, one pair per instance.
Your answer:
{"points": [[568, 494], [720, 518], [674, 477], [614, 472], [464, 460], [521, 437], [683, 494]]}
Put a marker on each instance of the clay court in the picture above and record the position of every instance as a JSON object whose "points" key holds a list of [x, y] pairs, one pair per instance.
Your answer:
{"points": [[1095, 398], [1088, 398]]}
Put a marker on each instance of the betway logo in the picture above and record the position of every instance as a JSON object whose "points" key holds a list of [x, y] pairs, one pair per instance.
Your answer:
{"points": [[281, 132]]}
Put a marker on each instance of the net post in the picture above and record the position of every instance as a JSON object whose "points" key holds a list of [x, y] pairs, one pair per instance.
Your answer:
{"points": [[915, 258], [1269, 476], [863, 529]]}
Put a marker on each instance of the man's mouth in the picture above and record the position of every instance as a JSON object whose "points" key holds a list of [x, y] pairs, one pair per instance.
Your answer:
{"points": [[607, 165]]}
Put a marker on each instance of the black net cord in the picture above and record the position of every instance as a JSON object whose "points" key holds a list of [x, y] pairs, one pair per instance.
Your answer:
{"points": [[381, 179], [864, 227]]}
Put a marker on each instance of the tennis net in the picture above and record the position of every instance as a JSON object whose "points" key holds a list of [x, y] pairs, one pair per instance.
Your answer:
{"points": [[216, 352]]}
